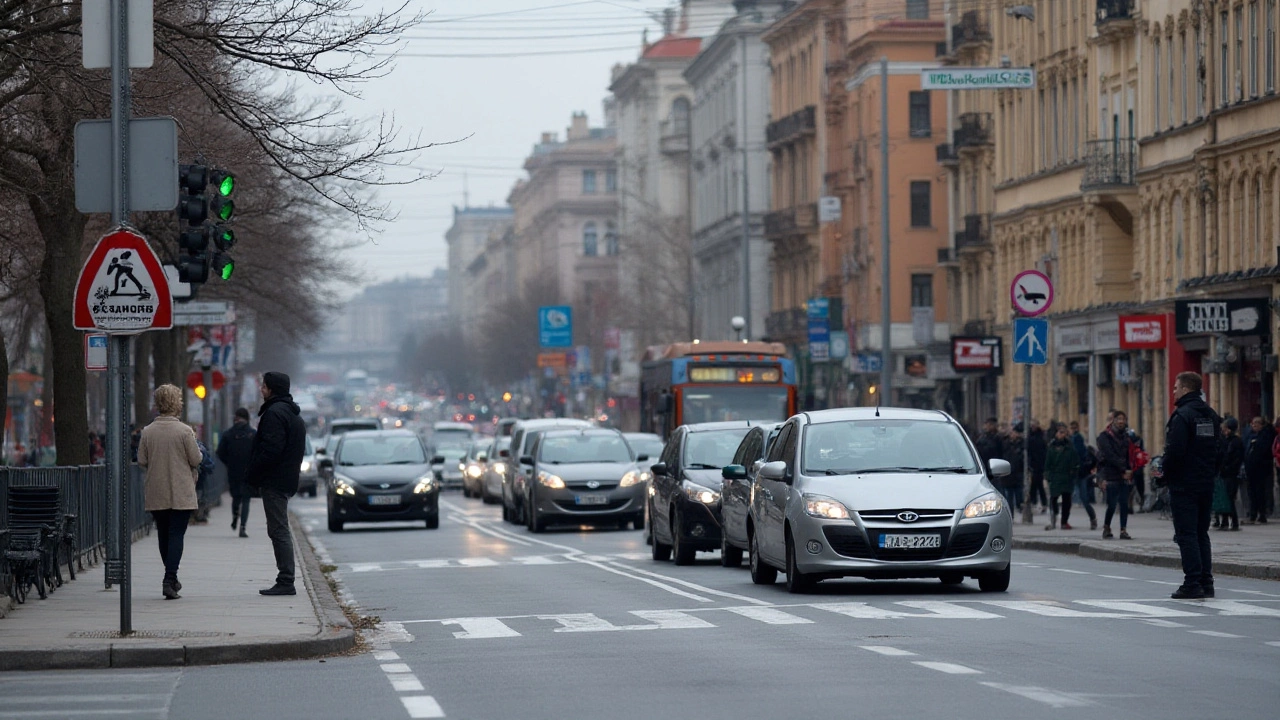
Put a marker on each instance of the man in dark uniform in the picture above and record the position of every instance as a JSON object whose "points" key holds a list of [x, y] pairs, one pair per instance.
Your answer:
{"points": [[274, 467], [235, 449], [1192, 447]]}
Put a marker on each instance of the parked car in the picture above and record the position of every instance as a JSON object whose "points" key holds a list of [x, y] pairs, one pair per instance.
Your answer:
{"points": [[514, 481], [494, 470], [735, 497], [648, 444], [878, 493], [684, 497], [309, 478], [474, 467], [583, 475], [380, 476]]}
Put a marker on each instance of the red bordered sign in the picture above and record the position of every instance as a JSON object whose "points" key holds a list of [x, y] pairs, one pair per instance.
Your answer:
{"points": [[1142, 332], [1031, 293], [122, 287]]}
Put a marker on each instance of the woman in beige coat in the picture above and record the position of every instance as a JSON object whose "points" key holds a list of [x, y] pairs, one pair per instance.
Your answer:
{"points": [[168, 452]]}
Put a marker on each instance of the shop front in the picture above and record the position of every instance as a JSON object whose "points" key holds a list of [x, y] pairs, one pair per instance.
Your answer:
{"points": [[1228, 341]]}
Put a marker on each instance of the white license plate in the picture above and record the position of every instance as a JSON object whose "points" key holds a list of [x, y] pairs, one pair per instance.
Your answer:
{"points": [[911, 542], [384, 499], [591, 499]]}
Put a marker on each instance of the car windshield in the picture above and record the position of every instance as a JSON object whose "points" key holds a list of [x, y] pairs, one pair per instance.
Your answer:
{"points": [[346, 427], [651, 446], [477, 450], [716, 404], [392, 450], [712, 449], [883, 446], [452, 453], [451, 437], [584, 449]]}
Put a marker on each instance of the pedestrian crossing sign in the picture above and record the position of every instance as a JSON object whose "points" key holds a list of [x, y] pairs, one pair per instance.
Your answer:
{"points": [[1030, 341]]}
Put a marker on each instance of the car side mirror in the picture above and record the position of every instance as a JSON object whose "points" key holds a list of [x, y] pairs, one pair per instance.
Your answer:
{"points": [[504, 453], [641, 458], [999, 468], [526, 459], [437, 459], [324, 468], [320, 451], [776, 470], [658, 468], [734, 472]]}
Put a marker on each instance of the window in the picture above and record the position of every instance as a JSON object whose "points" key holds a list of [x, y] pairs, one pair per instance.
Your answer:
{"points": [[1053, 151], [1272, 43], [921, 291], [917, 9], [1044, 134], [680, 116], [611, 238], [589, 238], [588, 182], [1224, 73], [611, 181], [1155, 106], [921, 122], [1200, 78], [1182, 46], [1075, 117], [1253, 49], [1239, 68], [1172, 74], [921, 207]]}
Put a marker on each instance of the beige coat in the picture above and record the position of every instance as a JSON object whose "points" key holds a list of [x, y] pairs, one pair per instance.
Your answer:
{"points": [[169, 453]]}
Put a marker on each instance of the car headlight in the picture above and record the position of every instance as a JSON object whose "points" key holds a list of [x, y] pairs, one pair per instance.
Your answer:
{"points": [[635, 477], [462, 467], [474, 471], [701, 494], [306, 465], [821, 506], [989, 504], [426, 484], [500, 468], [552, 481], [342, 486]]}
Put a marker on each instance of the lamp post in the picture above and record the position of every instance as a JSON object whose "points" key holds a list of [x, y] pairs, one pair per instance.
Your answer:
{"points": [[738, 323]]}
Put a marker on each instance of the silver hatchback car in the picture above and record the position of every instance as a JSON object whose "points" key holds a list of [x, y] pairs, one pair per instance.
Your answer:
{"points": [[878, 493]]}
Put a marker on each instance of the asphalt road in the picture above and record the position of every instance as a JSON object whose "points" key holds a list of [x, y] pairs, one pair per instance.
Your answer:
{"points": [[482, 620]]}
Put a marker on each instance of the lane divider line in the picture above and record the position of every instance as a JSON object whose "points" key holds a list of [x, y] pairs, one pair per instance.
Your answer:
{"points": [[949, 668]]}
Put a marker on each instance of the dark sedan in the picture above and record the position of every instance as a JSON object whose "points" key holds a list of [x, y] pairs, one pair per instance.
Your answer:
{"points": [[583, 476], [735, 497], [381, 476]]}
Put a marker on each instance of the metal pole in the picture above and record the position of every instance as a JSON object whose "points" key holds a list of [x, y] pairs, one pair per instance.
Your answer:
{"points": [[206, 406], [1026, 445], [746, 201], [118, 365], [886, 353]]}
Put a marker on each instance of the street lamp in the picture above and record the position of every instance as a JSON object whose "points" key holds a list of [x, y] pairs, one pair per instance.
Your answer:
{"points": [[737, 322]]}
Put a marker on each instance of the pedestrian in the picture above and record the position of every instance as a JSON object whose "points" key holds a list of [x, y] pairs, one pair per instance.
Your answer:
{"points": [[1036, 447], [1259, 469], [274, 465], [167, 450], [1138, 460], [204, 476], [1062, 468], [1012, 487], [234, 450], [1115, 471], [989, 445], [1192, 456], [1229, 474]]}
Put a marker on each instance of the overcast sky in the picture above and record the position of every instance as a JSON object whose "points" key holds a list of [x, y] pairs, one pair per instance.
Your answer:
{"points": [[501, 72]]}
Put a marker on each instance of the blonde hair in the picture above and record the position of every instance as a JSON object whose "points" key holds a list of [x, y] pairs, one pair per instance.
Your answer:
{"points": [[168, 399]]}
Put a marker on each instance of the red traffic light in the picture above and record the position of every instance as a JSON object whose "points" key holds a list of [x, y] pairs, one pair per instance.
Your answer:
{"points": [[195, 379]]}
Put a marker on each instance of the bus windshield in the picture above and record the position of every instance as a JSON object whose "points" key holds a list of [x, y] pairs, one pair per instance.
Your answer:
{"points": [[703, 403]]}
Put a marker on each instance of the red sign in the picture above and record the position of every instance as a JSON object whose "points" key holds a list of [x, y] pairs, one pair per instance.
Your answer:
{"points": [[195, 379], [1142, 332], [975, 353], [122, 287]]}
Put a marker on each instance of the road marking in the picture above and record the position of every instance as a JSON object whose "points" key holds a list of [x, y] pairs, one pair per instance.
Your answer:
{"points": [[1274, 643], [131, 712], [949, 668], [948, 610], [1253, 592], [535, 560], [672, 619], [395, 668], [1116, 577], [477, 562], [861, 611], [1236, 607], [1044, 695], [1214, 633], [1048, 608], [404, 682], [886, 650], [634, 556], [422, 706], [1073, 572], [694, 586], [49, 700], [385, 655], [1164, 623], [769, 615], [480, 628], [1160, 582], [1138, 608], [583, 622]]}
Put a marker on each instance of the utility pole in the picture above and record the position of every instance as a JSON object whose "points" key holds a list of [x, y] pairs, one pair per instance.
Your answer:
{"points": [[746, 198], [886, 353]]}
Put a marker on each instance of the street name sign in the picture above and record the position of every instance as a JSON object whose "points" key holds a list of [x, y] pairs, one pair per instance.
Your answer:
{"points": [[122, 289], [213, 312], [977, 78]]}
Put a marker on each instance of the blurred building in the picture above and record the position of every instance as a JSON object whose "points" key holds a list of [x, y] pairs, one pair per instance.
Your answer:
{"points": [[467, 239]]}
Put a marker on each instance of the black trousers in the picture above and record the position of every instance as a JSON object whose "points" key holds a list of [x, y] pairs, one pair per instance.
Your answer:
{"points": [[1065, 499], [171, 531], [1259, 490], [1038, 492], [1191, 509], [240, 497], [1233, 489], [275, 505]]}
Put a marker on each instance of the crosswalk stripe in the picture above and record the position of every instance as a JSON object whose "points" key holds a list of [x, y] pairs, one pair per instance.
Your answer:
{"points": [[582, 622], [949, 668], [1044, 695], [1236, 607], [422, 706], [1214, 633], [535, 560], [768, 615], [477, 562], [672, 619], [861, 610], [951, 611], [1138, 608], [1048, 608], [404, 682], [478, 628], [886, 650]]}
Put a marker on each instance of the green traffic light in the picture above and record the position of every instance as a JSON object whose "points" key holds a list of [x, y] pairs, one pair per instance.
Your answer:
{"points": [[224, 265], [227, 185], [223, 207], [224, 237], [227, 269]]}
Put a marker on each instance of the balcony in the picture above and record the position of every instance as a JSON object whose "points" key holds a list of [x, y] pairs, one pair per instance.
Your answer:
{"points": [[784, 325], [972, 29], [791, 221], [947, 155], [796, 125], [1111, 10], [976, 233], [673, 138], [947, 257], [940, 50], [1109, 163], [974, 130]]}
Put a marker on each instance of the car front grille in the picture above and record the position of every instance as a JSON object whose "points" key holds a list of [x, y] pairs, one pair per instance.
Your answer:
{"points": [[847, 541], [968, 540], [571, 506], [924, 515], [582, 485]]}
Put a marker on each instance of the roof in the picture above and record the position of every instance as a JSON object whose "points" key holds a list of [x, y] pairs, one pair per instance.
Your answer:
{"points": [[727, 425], [563, 431], [673, 46], [541, 423], [870, 413]]}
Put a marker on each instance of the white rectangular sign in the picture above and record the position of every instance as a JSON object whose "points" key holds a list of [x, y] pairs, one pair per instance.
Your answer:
{"points": [[95, 33], [95, 351], [204, 313], [828, 209], [978, 78]]}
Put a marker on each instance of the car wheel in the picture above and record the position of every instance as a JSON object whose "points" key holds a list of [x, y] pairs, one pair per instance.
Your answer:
{"points": [[797, 582], [661, 552], [951, 578], [335, 525], [761, 572], [683, 551], [433, 522], [995, 581], [730, 555]]}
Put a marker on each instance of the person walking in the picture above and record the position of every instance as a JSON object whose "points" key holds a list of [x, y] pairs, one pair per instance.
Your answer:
{"points": [[1084, 480], [235, 448], [989, 445], [274, 465], [167, 450], [1115, 470], [1037, 444], [1012, 483], [1192, 456], [1061, 468], [1259, 469], [1229, 474]]}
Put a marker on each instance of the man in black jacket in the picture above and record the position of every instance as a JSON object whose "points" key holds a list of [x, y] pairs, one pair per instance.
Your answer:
{"points": [[1232, 461], [235, 448], [1259, 468], [1114, 470], [274, 467], [989, 445], [1037, 450], [1192, 455]]}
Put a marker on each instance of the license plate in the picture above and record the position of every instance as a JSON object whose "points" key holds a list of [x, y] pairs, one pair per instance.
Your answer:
{"points": [[591, 499], [911, 542], [384, 499]]}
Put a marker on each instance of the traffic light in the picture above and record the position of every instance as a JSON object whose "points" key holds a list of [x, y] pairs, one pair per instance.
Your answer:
{"points": [[194, 259]]}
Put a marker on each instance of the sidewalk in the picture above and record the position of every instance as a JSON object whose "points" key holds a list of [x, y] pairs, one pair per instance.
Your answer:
{"points": [[1253, 551], [220, 617]]}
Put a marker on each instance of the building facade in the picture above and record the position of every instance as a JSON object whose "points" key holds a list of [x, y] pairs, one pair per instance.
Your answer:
{"points": [[466, 239]]}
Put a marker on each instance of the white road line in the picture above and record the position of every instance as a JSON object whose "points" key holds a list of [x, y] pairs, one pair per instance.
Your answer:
{"points": [[477, 562], [1142, 609], [61, 676], [672, 619], [480, 628], [1044, 695], [1214, 633], [768, 615], [535, 560], [860, 610], [949, 668], [1116, 577], [694, 586], [1274, 643], [1160, 582], [128, 712], [385, 655], [583, 622], [404, 682], [886, 650], [1073, 572], [1048, 608], [948, 610], [475, 525], [1163, 623], [395, 668], [430, 564], [1236, 607], [49, 700], [1253, 592], [365, 567], [422, 706], [633, 556]]}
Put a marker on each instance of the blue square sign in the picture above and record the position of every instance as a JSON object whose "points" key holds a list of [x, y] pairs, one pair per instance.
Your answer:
{"points": [[1030, 341], [555, 326]]}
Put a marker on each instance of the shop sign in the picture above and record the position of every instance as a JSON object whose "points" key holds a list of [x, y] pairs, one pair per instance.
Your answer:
{"points": [[976, 354], [1078, 366], [1106, 335], [1142, 332], [1072, 339], [1221, 317]]}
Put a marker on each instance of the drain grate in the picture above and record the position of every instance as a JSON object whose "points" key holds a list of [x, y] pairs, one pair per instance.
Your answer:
{"points": [[151, 634]]}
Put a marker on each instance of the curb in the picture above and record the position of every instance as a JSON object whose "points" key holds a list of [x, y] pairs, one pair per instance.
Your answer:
{"points": [[335, 635], [1133, 557]]}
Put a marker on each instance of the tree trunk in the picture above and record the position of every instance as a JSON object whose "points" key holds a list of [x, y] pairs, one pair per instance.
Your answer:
{"points": [[4, 391], [141, 377]]}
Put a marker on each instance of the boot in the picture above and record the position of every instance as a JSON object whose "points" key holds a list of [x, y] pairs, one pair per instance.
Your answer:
{"points": [[1217, 522], [1093, 523], [1053, 523], [168, 590], [243, 533], [1106, 532]]}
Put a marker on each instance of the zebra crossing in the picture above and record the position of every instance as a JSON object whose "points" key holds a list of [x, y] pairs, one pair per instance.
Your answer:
{"points": [[1155, 612], [485, 562], [87, 695]]}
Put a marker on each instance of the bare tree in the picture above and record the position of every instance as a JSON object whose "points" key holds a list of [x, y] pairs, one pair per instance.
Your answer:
{"points": [[660, 249]]}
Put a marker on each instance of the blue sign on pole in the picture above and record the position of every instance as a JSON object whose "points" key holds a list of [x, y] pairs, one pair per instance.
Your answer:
{"points": [[819, 308], [555, 326], [1030, 341], [819, 312]]}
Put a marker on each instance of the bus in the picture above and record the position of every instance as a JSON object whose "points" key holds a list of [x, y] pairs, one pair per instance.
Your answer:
{"points": [[697, 382]]}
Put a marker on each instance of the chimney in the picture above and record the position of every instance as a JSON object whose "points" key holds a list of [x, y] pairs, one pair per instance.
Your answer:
{"points": [[578, 128], [548, 138]]}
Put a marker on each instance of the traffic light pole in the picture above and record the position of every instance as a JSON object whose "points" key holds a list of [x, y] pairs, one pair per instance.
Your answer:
{"points": [[118, 364]]}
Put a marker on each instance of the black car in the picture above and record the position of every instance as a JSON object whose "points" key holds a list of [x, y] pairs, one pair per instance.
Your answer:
{"points": [[735, 497], [583, 476], [684, 497], [380, 476]]}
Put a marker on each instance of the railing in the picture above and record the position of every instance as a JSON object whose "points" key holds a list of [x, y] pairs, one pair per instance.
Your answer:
{"points": [[674, 136], [976, 232], [800, 218], [801, 122], [1108, 10], [947, 154], [946, 256], [1109, 162], [785, 324], [974, 129], [972, 28]]}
